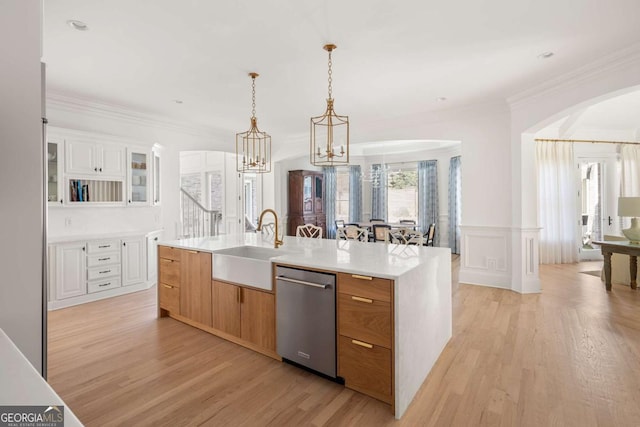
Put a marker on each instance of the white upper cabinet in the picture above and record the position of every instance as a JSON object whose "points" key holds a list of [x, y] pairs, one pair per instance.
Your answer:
{"points": [[139, 177], [92, 158]]}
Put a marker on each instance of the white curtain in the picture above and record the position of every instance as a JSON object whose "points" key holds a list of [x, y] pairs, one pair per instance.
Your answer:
{"points": [[557, 198], [630, 171]]}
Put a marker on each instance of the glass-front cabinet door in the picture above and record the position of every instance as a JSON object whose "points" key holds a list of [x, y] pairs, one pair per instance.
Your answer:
{"points": [[156, 179], [138, 177], [307, 195], [54, 173]]}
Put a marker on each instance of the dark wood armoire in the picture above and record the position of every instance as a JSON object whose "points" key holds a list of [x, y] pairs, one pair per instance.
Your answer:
{"points": [[306, 200]]}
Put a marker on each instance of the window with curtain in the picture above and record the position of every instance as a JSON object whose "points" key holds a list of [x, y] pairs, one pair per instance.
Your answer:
{"points": [[455, 201], [557, 202], [330, 188], [428, 197], [355, 193], [342, 194], [402, 193], [379, 193]]}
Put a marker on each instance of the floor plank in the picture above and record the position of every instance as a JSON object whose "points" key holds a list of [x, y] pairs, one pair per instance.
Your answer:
{"points": [[567, 357]]}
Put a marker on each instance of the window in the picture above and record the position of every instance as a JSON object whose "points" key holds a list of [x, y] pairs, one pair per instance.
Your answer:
{"points": [[402, 193], [342, 196]]}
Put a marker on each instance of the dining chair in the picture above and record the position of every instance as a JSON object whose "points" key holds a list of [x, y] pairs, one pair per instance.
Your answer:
{"points": [[381, 232], [339, 223], [408, 221], [377, 220], [407, 236], [309, 230], [430, 235], [352, 232]]}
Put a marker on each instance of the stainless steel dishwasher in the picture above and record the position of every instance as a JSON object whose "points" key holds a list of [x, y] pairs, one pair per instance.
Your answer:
{"points": [[306, 319]]}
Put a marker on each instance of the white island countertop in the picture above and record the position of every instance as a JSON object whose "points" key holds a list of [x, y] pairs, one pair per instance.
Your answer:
{"points": [[421, 283], [22, 385], [374, 259]]}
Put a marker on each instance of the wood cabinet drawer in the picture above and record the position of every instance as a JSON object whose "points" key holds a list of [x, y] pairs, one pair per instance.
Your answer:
{"points": [[103, 271], [103, 259], [103, 246], [103, 285], [365, 367], [365, 286], [365, 319], [169, 297], [170, 253], [169, 272]]}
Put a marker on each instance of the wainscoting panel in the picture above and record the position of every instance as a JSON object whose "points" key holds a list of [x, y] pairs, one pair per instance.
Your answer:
{"points": [[486, 256]]}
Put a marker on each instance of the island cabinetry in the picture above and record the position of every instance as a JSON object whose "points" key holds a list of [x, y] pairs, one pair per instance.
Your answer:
{"points": [[245, 313], [195, 286], [365, 334], [169, 266]]}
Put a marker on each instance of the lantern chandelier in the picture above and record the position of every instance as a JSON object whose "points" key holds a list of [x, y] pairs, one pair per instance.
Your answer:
{"points": [[330, 132], [253, 148]]}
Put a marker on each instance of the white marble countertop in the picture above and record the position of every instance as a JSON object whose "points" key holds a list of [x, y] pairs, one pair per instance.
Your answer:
{"points": [[97, 236], [21, 384], [372, 259]]}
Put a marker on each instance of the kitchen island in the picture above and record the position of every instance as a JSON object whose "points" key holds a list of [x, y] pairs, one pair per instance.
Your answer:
{"points": [[419, 299]]}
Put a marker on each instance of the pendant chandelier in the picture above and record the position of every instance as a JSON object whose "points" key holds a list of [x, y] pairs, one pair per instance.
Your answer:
{"points": [[253, 148], [330, 132]]}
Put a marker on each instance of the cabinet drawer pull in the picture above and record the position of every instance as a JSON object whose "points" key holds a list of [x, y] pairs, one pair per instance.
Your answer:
{"points": [[193, 252], [361, 344], [166, 260], [367, 300], [104, 246], [167, 286], [104, 259], [105, 284], [104, 272], [357, 276]]}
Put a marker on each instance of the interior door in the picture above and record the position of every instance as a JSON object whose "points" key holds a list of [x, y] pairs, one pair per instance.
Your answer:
{"points": [[599, 183]]}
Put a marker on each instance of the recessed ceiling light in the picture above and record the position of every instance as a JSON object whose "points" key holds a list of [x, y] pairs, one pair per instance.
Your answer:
{"points": [[178, 101], [441, 99], [545, 55], [77, 25]]}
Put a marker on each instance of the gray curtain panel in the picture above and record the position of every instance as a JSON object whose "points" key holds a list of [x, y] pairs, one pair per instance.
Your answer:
{"points": [[428, 196], [331, 189], [355, 194], [455, 208], [379, 194]]}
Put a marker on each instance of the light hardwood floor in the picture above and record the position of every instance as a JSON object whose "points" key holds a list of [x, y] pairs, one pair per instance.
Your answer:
{"points": [[567, 357]]}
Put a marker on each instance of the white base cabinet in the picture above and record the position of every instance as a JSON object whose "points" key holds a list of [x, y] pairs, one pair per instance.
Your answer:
{"points": [[85, 271], [134, 262]]}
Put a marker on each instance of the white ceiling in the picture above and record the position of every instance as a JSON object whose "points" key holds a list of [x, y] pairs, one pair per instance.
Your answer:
{"points": [[394, 58]]}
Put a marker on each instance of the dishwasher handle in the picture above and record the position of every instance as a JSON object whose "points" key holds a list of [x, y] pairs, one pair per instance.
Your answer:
{"points": [[302, 282]]}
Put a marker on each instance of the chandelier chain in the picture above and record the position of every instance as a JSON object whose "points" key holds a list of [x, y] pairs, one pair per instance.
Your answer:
{"points": [[330, 73], [253, 97]]}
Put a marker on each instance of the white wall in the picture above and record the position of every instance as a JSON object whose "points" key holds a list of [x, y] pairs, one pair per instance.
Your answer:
{"points": [[22, 190]]}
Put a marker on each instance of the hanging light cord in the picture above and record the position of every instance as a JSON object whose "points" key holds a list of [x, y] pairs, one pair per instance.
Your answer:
{"points": [[253, 97], [330, 78]]}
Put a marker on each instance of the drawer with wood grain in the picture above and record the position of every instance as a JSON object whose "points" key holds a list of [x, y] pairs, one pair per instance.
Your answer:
{"points": [[169, 271], [365, 367], [103, 285], [365, 286], [170, 253], [365, 319], [103, 246], [169, 297]]}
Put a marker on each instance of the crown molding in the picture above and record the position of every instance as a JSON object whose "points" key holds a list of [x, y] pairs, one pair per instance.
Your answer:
{"points": [[619, 59], [78, 104]]}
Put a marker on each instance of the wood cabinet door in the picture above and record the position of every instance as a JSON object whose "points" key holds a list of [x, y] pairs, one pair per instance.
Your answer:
{"points": [[226, 308], [195, 287], [259, 318]]}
